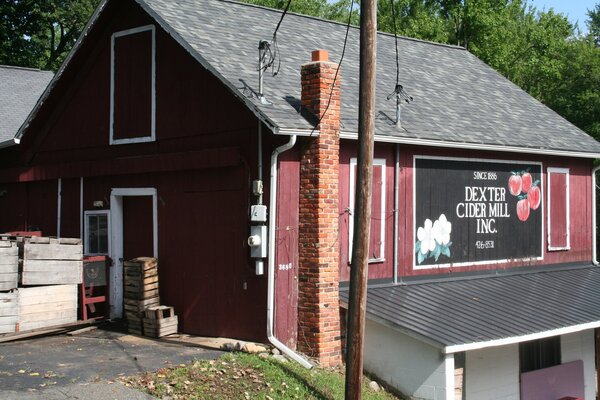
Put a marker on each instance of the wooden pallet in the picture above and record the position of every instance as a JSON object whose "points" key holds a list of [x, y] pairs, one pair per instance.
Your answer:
{"points": [[9, 265], [160, 321], [48, 261]]}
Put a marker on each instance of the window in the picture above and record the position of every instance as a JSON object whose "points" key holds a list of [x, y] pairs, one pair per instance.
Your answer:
{"points": [[132, 86], [558, 209], [97, 232], [538, 354], [377, 235]]}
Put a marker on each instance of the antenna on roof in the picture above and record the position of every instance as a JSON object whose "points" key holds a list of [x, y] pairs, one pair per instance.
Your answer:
{"points": [[398, 92], [267, 54], [400, 96], [264, 51]]}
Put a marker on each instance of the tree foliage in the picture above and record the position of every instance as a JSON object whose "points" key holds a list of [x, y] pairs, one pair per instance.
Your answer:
{"points": [[593, 23], [40, 34]]}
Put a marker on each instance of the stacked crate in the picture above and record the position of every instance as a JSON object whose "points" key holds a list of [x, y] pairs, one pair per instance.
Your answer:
{"points": [[9, 265], [42, 275], [50, 270], [160, 321], [140, 284], [9, 276]]}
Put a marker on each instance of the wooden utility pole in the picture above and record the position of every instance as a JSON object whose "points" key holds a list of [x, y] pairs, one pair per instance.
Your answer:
{"points": [[362, 213]]}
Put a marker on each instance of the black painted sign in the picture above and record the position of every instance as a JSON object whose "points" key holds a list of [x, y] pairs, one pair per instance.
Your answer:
{"points": [[476, 211]]}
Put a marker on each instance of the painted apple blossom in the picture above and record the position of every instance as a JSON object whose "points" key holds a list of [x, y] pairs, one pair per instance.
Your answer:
{"points": [[433, 239]]}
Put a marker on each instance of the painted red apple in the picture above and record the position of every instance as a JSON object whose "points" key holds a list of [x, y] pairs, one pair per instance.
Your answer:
{"points": [[523, 209], [515, 184], [527, 181], [534, 197]]}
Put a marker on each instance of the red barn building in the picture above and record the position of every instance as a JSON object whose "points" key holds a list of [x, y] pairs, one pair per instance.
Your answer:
{"points": [[156, 138]]}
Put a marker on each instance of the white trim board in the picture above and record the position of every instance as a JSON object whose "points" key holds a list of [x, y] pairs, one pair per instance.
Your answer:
{"points": [[473, 146], [519, 339], [152, 134], [116, 240], [550, 171], [58, 206]]}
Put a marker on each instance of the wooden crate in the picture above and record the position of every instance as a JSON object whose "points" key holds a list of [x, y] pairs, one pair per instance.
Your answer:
{"points": [[134, 322], [9, 265], [9, 311], [45, 306], [49, 261], [160, 321], [138, 306], [140, 278]]}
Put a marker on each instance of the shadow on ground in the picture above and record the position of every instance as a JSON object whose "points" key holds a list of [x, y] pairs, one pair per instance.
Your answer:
{"points": [[95, 359]]}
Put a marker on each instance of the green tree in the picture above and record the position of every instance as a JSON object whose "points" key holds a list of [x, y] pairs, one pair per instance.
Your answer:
{"points": [[594, 23], [40, 34]]}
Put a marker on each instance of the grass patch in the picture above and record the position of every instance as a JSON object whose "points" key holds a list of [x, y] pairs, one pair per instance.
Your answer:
{"points": [[247, 376]]}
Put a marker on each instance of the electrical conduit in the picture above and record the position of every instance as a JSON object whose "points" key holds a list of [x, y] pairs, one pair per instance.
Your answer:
{"points": [[271, 261]]}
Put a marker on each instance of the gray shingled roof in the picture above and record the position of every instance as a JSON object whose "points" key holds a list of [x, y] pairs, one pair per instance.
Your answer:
{"points": [[458, 100], [488, 309], [20, 89]]}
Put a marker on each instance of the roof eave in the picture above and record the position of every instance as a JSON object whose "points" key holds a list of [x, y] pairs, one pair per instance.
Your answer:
{"points": [[456, 348], [9, 143], [475, 146]]}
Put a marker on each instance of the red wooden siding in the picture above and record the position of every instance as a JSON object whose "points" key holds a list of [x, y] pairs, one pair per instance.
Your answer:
{"points": [[132, 85], [558, 212], [137, 227], [201, 165], [70, 215], [382, 265], [42, 206], [286, 258], [376, 235]]}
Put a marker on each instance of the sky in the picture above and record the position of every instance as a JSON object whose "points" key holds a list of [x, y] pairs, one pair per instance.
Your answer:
{"points": [[575, 10]]}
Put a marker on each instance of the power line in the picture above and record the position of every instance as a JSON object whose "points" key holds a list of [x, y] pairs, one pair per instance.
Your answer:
{"points": [[337, 69], [270, 52]]}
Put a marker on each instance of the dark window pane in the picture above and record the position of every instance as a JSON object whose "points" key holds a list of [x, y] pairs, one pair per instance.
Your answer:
{"points": [[97, 240], [539, 354]]}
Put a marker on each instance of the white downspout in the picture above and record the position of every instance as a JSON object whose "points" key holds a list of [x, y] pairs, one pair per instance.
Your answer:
{"points": [[594, 249], [271, 261]]}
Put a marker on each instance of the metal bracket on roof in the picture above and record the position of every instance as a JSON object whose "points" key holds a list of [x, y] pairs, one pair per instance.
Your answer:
{"points": [[264, 51], [400, 94]]}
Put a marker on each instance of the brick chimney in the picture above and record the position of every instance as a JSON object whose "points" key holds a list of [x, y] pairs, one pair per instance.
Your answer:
{"points": [[318, 297]]}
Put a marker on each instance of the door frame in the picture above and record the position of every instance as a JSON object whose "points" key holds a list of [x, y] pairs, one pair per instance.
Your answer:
{"points": [[116, 252]]}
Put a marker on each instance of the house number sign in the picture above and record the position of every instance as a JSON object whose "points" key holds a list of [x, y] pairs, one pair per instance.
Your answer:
{"points": [[476, 211]]}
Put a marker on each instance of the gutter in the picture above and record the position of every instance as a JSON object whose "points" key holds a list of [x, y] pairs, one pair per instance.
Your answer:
{"points": [[271, 260], [594, 227], [10, 143]]}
